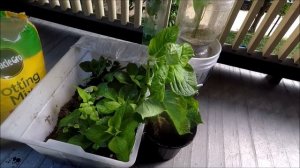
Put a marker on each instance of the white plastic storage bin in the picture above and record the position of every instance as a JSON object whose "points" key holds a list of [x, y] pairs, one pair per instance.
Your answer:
{"points": [[35, 118]]}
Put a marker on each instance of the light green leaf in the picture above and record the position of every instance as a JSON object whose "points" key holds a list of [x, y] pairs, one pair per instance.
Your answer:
{"points": [[84, 95], [106, 106], [186, 54], [173, 53], [176, 108], [115, 121], [150, 108], [183, 80], [157, 87], [167, 35]]}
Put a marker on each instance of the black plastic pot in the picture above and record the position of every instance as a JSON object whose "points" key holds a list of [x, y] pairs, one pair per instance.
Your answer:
{"points": [[154, 150]]}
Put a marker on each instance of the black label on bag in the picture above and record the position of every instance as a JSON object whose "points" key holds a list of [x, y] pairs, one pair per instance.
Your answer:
{"points": [[11, 63]]}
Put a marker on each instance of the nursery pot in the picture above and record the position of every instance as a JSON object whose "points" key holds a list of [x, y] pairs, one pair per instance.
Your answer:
{"points": [[202, 66], [154, 150]]}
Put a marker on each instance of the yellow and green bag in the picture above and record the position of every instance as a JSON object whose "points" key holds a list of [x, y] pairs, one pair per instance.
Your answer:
{"points": [[21, 60]]}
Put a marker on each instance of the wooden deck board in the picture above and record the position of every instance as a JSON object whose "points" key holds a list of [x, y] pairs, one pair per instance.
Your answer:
{"points": [[247, 121]]}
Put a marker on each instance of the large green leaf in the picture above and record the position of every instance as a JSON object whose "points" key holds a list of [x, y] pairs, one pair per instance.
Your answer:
{"points": [[80, 140], [157, 87], [105, 91], [97, 134], [183, 80], [119, 146], [176, 108], [168, 35], [150, 108], [173, 53]]}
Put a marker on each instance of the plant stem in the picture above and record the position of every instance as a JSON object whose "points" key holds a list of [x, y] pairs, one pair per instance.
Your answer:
{"points": [[198, 18]]}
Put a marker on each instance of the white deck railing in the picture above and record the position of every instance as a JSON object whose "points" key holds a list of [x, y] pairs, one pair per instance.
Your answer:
{"points": [[119, 9]]}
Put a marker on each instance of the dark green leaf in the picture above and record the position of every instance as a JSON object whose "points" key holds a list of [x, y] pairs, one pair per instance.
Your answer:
{"points": [[97, 134], [72, 118], [85, 66], [122, 77], [128, 92], [105, 91], [132, 69], [150, 108], [176, 108], [80, 140]]}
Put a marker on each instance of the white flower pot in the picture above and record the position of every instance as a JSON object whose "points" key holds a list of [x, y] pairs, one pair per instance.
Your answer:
{"points": [[202, 66]]}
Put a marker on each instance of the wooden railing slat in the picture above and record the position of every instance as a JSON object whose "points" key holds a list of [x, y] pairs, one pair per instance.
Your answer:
{"points": [[255, 7], [64, 4], [112, 11], [284, 25], [230, 20], [290, 44], [124, 12], [75, 6], [99, 8], [138, 13], [265, 24], [87, 7], [53, 3]]}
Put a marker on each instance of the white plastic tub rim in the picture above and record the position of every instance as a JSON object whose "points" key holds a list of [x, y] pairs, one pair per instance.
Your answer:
{"points": [[35, 118], [202, 66]]}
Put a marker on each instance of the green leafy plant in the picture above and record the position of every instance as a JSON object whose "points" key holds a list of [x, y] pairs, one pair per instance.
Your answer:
{"points": [[116, 99], [106, 117], [172, 84]]}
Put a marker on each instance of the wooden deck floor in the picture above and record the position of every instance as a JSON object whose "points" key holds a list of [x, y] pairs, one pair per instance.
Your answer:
{"points": [[247, 121]]}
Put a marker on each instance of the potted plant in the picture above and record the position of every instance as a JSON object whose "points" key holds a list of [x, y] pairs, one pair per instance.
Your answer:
{"points": [[201, 22], [170, 111]]}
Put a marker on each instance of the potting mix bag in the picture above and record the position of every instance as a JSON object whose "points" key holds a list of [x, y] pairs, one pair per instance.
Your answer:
{"points": [[21, 60]]}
